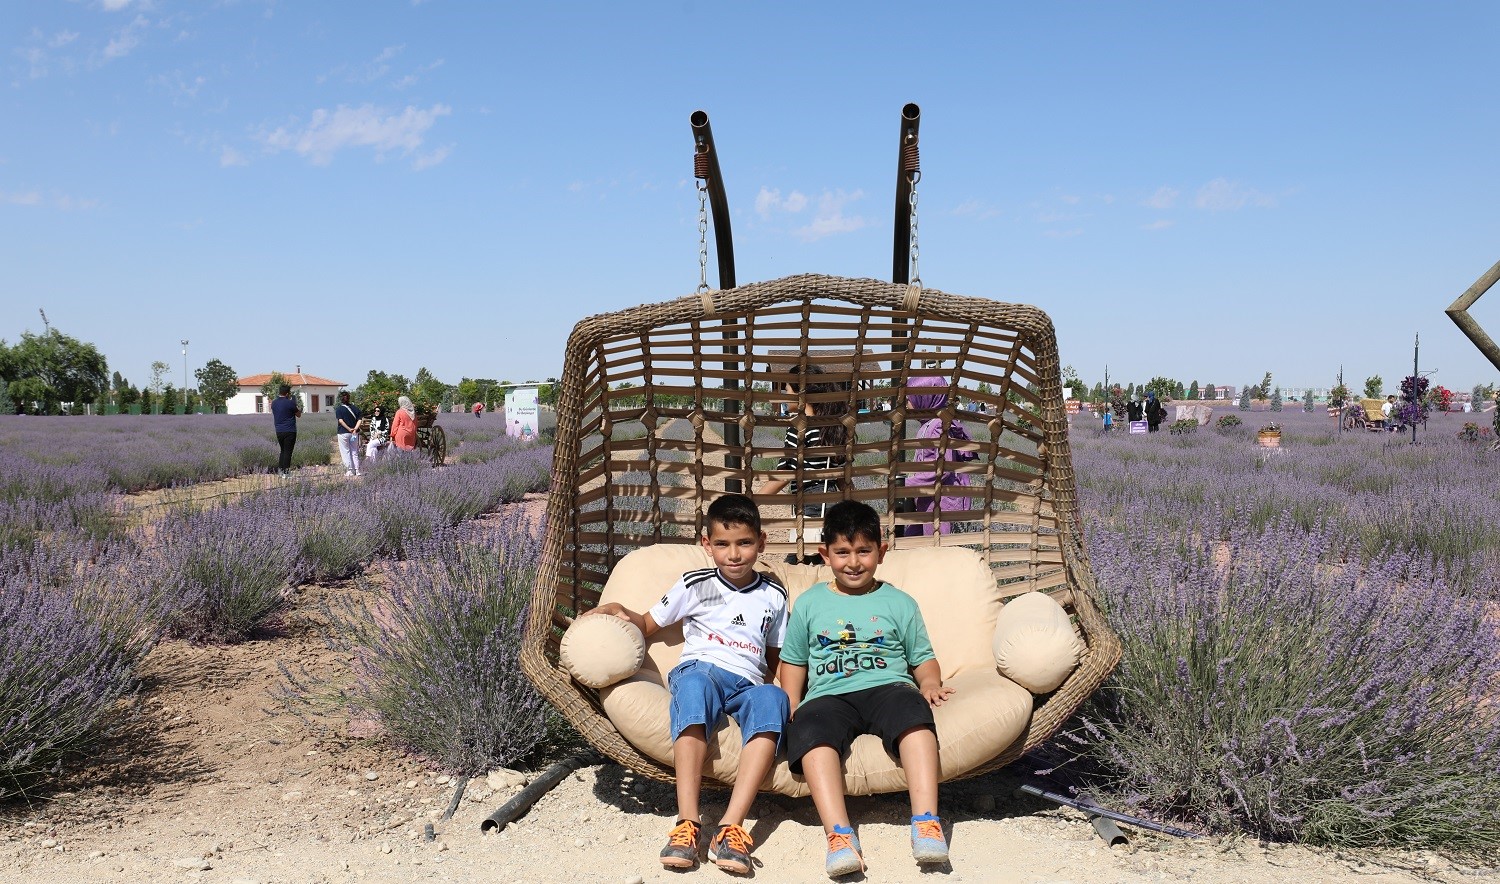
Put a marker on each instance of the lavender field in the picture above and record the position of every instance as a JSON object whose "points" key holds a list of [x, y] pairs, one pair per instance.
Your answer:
{"points": [[1310, 631], [1312, 640], [85, 594]]}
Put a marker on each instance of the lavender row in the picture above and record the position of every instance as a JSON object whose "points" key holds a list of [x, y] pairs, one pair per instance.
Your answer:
{"points": [[1311, 652]]}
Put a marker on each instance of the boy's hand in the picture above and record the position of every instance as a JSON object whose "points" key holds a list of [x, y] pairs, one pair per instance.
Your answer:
{"points": [[612, 609], [936, 694]]}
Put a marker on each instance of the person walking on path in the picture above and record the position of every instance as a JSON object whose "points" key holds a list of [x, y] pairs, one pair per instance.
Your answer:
{"points": [[348, 417], [284, 412]]}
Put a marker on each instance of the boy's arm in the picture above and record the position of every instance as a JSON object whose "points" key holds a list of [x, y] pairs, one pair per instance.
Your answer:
{"points": [[793, 680], [929, 678], [773, 661], [644, 622]]}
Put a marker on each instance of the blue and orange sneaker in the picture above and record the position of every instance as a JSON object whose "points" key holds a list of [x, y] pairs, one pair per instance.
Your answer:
{"points": [[927, 842], [844, 856]]}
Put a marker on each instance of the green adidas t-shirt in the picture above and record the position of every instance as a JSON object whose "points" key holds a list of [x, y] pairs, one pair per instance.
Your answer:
{"points": [[852, 642]]}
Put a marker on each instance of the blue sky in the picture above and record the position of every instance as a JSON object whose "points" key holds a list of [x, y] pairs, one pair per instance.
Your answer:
{"points": [[1202, 191]]}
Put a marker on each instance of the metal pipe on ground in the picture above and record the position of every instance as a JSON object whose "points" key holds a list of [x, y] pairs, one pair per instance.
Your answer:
{"points": [[513, 809], [1092, 809]]}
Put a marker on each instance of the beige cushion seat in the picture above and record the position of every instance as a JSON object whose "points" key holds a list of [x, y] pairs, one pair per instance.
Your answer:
{"points": [[960, 605]]}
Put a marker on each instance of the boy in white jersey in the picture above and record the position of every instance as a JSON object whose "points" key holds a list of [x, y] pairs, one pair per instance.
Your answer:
{"points": [[734, 619]]}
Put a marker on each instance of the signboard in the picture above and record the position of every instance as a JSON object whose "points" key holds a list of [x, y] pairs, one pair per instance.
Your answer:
{"points": [[1072, 405], [521, 413], [1138, 427]]}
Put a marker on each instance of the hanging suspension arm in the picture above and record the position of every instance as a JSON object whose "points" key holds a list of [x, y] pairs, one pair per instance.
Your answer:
{"points": [[908, 169], [706, 169]]}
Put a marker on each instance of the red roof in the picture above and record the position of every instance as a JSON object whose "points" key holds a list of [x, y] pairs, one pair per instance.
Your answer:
{"points": [[296, 379]]}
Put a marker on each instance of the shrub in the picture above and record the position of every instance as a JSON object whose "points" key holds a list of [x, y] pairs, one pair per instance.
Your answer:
{"points": [[71, 637], [1272, 694], [230, 566], [437, 658], [1185, 426], [1227, 422]]}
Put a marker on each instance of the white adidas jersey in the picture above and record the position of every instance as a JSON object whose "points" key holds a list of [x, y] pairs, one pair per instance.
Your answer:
{"points": [[723, 624]]}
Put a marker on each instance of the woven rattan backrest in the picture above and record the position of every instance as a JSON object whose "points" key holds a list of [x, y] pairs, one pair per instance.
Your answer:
{"points": [[663, 407]]}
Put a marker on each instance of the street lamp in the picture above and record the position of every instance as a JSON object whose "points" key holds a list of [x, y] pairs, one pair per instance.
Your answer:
{"points": [[184, 375]]}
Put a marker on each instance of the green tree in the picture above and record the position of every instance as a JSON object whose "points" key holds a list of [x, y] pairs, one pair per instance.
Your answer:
{"points": [[1307, 400], [217, 383], [169, 399], [1209, 392], [6, 406], [191, 401], [53, 368], [427, 387], [1245, 399], [1192, 392], [1276, 400], [380, 388], [1162, 387], [272, 387], [1340, 393], [546, 394], [1374, 387], [129, 395], [159, 371], [1265, 387], [146, 401]]}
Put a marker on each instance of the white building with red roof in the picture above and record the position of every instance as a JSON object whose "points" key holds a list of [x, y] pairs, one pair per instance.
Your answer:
{"points": [[317, 394]]}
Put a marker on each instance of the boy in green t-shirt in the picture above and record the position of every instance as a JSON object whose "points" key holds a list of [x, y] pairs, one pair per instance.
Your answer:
{"points": [[859, 650]]}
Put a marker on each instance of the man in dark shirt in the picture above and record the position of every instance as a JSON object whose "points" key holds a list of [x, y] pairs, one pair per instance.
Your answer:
{"points": [[285, 410]]}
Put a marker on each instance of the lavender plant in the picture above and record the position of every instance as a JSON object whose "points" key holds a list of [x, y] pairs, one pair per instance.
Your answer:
{"points": [[70, 641], [232, 567], [437, 657]]}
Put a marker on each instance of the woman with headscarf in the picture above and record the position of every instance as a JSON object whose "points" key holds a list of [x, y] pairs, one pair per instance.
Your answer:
{"points": [[380, 434], [404, 426], [934, 431], [1154, 412]]}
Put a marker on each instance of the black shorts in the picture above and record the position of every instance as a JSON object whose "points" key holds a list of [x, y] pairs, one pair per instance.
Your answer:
{"points": [[888, 711]]}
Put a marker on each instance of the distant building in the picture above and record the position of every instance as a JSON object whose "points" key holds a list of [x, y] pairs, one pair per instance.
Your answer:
{"points": [[317, 394], [1221, 391]]}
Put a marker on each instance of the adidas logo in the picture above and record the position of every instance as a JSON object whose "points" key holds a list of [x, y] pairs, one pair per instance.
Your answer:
{"points": [[739, 620]]}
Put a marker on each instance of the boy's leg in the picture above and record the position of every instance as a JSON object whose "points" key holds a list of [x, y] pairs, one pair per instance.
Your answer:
{"points": [[919, 759], [824, 773], [697, 704]]}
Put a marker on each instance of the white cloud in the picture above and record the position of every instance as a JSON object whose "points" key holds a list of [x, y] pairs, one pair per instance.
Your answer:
{"points": [[1159, 224], [231, 157], [1223, 195], [1164, 198], [114, 5], [976, 209], [1063, 234], [428, 160], [62, 38], [60, 201], [830, 218], [768, 201], [123, 43], [328, 132]]}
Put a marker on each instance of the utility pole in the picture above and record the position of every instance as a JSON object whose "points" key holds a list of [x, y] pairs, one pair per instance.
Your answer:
{"points": [[184, 375]]}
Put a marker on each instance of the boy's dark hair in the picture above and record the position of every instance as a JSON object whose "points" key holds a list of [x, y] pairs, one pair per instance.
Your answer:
{"points": [[851, 520], [284, 390], [733, 509]]}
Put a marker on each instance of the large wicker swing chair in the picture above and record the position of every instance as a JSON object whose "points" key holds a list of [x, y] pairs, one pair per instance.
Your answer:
{"points": [[663, 407]]}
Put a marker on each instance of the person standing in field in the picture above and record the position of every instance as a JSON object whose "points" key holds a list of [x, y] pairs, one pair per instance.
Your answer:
{"points": [[404, 425], [284, 412], [348, 420], [1154, 412]]}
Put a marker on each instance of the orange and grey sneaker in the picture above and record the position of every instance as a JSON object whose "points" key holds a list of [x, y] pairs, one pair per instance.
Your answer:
{"points": [[927, 842], [730, 849], [681, 851], [843, 853]]}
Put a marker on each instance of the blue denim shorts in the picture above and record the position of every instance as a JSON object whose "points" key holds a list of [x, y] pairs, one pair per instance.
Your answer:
{"points": [[702, 693]]}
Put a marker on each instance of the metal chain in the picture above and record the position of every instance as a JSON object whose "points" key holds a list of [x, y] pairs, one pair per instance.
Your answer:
{"points": [[702, 236], [916, 275]]}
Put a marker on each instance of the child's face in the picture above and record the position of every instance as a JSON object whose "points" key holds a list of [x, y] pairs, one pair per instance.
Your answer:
{"points": [[853, 560], [734, 549]]}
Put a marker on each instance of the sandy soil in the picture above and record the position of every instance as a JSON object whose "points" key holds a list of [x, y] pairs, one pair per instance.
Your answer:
{"points": [[217, 780]]}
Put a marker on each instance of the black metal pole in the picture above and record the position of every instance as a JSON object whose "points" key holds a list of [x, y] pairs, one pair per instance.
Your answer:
{"points": [[706, 167], [906, 164]]}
